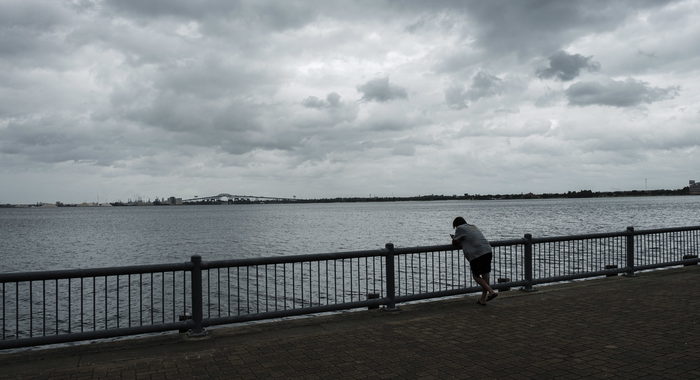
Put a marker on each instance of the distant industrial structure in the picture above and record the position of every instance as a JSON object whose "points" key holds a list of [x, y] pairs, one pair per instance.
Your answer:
{"points": [[693, 187], [232, 198]]}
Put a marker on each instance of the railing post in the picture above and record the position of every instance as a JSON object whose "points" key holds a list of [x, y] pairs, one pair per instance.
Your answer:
{"points": [[630, 251], [197, 310], [528, 262], [390, 278]]}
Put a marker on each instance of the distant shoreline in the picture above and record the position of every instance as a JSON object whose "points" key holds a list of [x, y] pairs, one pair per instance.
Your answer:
{"points": [[432, 197]]}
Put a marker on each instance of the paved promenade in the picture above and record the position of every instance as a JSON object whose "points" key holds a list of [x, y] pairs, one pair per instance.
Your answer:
{"points": [[642, 327]]}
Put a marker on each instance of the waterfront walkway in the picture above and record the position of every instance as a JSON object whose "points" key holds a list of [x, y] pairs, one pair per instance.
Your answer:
{"points": [[642, 327]]}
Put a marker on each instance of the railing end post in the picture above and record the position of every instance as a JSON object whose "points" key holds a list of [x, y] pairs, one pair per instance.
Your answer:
{"points": [[630, 251], [390, 278], [528, 263], [197, 329]]}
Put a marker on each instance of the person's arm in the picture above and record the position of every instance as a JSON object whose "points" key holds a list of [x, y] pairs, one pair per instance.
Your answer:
{"points": [[455, 242]]}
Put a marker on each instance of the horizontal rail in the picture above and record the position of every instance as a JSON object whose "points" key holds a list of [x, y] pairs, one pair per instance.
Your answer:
{"points": [[294, 312], [92, 272], [665, 230], [103, 334], [292, 259]]}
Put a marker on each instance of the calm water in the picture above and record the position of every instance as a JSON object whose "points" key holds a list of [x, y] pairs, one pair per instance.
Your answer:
{"points": [[38, 239]]}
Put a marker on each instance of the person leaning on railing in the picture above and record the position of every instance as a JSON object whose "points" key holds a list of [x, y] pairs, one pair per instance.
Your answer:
{"points": [[477, 251]]}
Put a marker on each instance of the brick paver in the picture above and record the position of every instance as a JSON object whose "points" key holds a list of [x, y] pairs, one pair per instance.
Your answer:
{"points": [[641, 327]]}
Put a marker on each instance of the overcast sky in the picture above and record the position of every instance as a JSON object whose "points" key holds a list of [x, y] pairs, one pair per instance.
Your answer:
{"points": [[130, 98]]}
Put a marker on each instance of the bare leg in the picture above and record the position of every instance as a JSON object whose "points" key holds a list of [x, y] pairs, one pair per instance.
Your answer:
{"points": [[483, 281]]}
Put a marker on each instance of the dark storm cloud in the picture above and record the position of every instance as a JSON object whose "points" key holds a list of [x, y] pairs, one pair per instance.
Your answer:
{"points": [[566, 67], [627, 93], [380, 90]]}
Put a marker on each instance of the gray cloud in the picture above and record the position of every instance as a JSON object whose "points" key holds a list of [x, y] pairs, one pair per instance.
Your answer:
{"points": [[532, 27], [56, 139], [627, 93], [257, 14], [566, 67], [332, 101], [483, 85], [380, 90], [455, 97], [31, 32]]}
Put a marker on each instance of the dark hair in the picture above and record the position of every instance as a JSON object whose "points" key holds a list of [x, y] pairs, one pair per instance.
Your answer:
{"points": [[458, 222]]}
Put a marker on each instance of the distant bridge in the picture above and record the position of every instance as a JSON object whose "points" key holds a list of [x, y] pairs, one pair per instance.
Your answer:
{"points": [[234, 198]]}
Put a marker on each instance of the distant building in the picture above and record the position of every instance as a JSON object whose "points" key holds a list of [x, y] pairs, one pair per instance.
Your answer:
{"points": [[174, 201], [694, 187]]}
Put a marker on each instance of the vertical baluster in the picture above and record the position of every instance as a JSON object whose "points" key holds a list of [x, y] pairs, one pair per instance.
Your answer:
{"points": [[162, 297], [328, 297], [350, 274], [238, 290], [267, 291], [276, 293], [359, 280], [128, 298], [413, 278], [3, 312], [405, 273], [94, 303], [106, 310], [318, 281], [43, 306], [452, 266], [208, 294], [311, 285], [140, 299], [420, 273], [366, 276], [151, 297], [118, 318], [381, 274], [174, 299], [81, 304], [56, 305], [16, 310], [31, 310], [218, 290], [283, 287], [228, 289], [70, 316]]}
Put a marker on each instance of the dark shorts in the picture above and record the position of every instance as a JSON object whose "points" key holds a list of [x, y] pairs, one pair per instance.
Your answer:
{"points": [[481, 265]]}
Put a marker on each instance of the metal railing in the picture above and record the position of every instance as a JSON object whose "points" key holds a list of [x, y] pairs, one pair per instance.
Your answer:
{"points": [[70, 305]]}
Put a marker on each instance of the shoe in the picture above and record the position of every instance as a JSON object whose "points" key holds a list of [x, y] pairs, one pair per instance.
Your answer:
{"points": [[481, 303], [491, 296]]}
